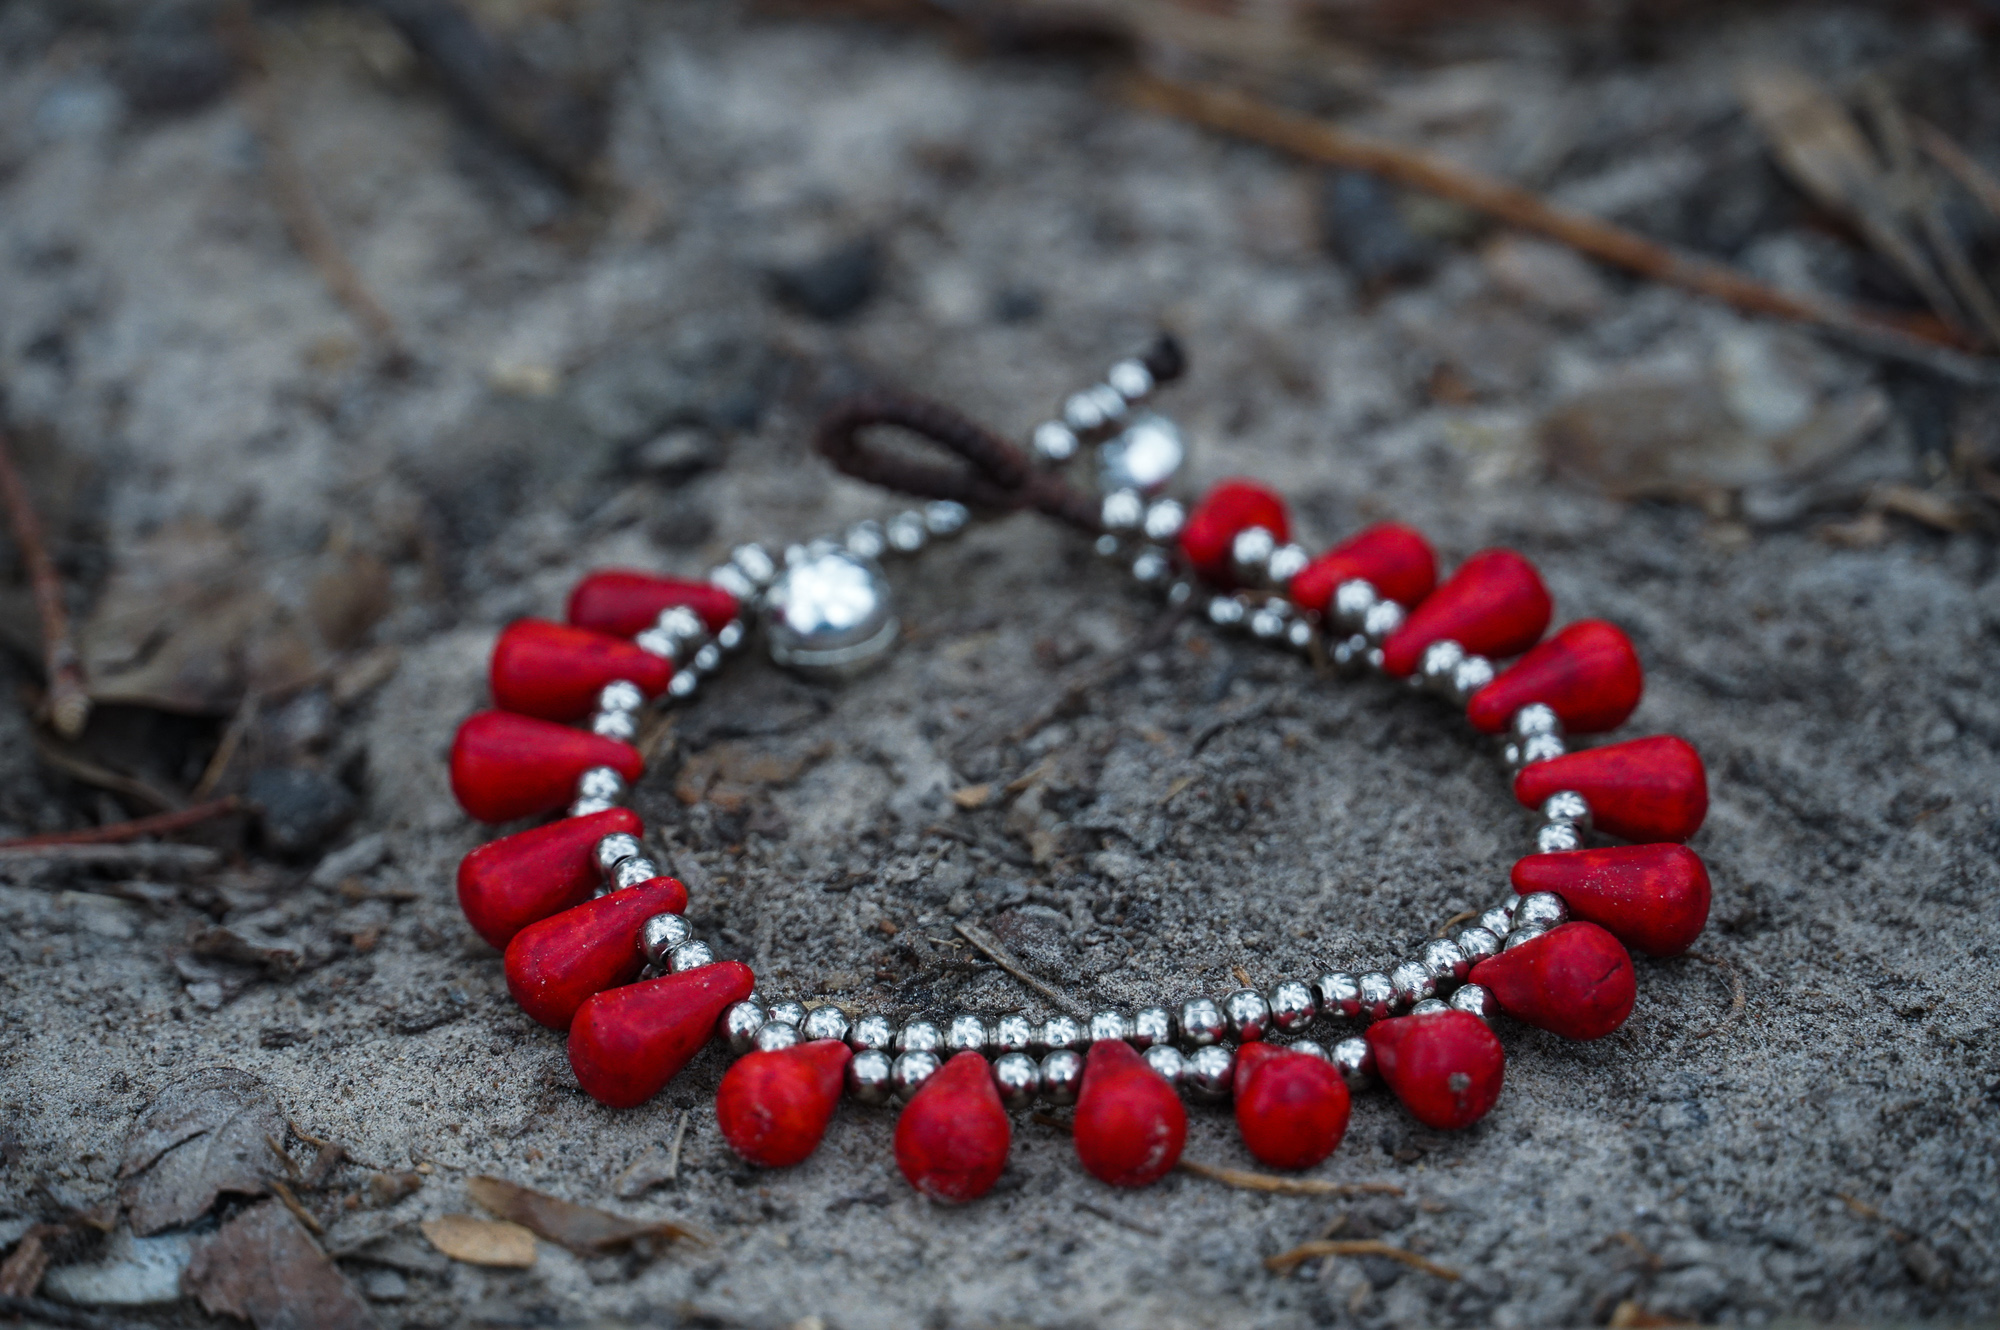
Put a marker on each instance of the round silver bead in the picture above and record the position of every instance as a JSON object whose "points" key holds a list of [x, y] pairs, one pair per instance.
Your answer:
{"points": [[1567, 806], [1378, 995], [1355, 1060], [1299, 635], [754, 562], [620, 695], [1093, 409], [1130, 379], [1144, 457], [1412, 982], [1557, 837], [1250, 553], [1210, 1073], [1477, 1000], [1472, 674], [827, 1022], [1110, 1025], [682, 686], [740, 1023], [1055, 441], [689, 956], [731, 579], [945, 517], [1477, 942], [618, 845], [1122, 510], [1339, 994], [865, 541], [1164, 520], [620, 725], [588, 807], [1541, 909], [1249, 1016], [1202, 1023], [600, 783], [659, 644], [1017, 1078], [1446, 962], [1533, 719], [829, 615], [871, 1032], [1350, 654], [1061, 1032], [1285, 563], [788, 1013], [776, 1036], [730, 636], [1521, 937], [1168, 1062], [681, 624], [1429, 1007], [906, 532], [1311, 1048], [631, 872], [707, 660], [1152, 1027], [1440, 660], [1383, 618], [1151, 567], [919, 1037], [871, 1076], [1180, 593], [1014, 1034], [1351, 602], [1291, 1005], [1226, 611], [966, 1031], [1540, 748], [1062, 1075], [910, 1070], [1267, 622], [1499, 920], [1107, 546], [659, 935]]}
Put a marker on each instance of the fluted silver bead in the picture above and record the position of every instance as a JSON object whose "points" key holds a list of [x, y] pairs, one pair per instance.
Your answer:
{"points": [[1339, 994], [1209, 1073], [1355, 1060], [1093, 409], [683, 685], [730, 636], [1202, 1023], [707, 660], [1383, 618], [1285, 563], [601, 783], [1533, 719], [1055, 441], [827, 1022], [1558, 837], [1439, 661], [865, 540], [944, 518], [1567, 806], [1168, 1062], [1151, 567], [740, 1023], [1122, 511], [1541, 909], [1061, 1032], [1164, 520], [1311, 1047], [1014, 1033], [1476, 1000], [919, 1037], [1299, 634], [1499, 921], [1378, 995], [1412, 982], [618, 845], [682, 624], [1430, 1007], [631, 872], [1539, 748], [590, 807], [1521, 937], [1351, 602], [1350, 654], [1291, 1005], [1250, 554], [1151, 1027], [871, 1032], [1017, 1078], [1144, 456], [906, 533], [1267, 621], [1471, 674], [790, 1013], [620, 695], [1477, 943], [871, 1076], [910, 1070], [689, 956], [1062, 1075], [776, 1036], [659, 935], [1110, 1025], [1130, 379], [1226, 611], [966, 1032], [1446, 961], [1248, 1014]]}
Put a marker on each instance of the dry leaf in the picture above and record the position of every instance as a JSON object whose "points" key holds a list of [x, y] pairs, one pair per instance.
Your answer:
{"points": [[728, 774], [581, 1228], [264, 1267], [481, 1241], [205, 1134], [972, 796]]}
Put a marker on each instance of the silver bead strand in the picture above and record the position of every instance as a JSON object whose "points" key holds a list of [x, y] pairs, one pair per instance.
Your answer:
{"points": [[910, 1070]]}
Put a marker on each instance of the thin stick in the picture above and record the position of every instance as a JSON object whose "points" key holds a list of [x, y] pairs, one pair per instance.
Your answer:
{"points": [[113, 833], [998, 954], [1112, 1216], [68, 703], [145, 856], [225, 750], [1244, 1180], [291, 1202], [1236, 113], [1306, 1251], [103, 777], [674, 1150]]}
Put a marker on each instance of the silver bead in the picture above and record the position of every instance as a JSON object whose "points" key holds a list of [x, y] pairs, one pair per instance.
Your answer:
{"points": [[1017, 1078], [966, 1031], [1061, 1032], [600, 783], [1533, 719], [1285, 563], [906, 533], [1267, 622], [1093, 409], [659, 644], [1499, 920], [631, 872], [1062, 1075], [1541, 909], [1151, 567], [1250, 552], [1014, 1034], [1107, 546], [1339, 994], [919, 1037], [589, 807], [1249, 1016], [1378, 995], [618, 845], [829, 615], [1473, 673], [659, 935], [1144, 457], [776, 1036], [1151, 1027], [1299, 635], [1567, 806], [1439, 661], [1429, 1007], [740, 1023], [1055, 441], [754, 562], [681, 624], [1527, 752], [1351, 602], [910, 1070], [620, 725], [730, 636], [1383, 618], [827, 1022], [1356, 1062], [1164, 520], [1311, 1048], [871, 1032], [1130, 379], [1210, 1073], [1202, 1023], [620, 695], [689, 956], [1168, 1062], [789, 1013], [707, 660], [731, 579], [865, 541], [871, 1076], [1557, 837], [945, 517], [1106, 1025], [1521, 936], [1225, 611], [1412, 982], [1350, 654], [1122, 510], [1477, 1000], [1446, 963], [1478, 942], [1291, 1005], [1180, 593], [682, 686]]}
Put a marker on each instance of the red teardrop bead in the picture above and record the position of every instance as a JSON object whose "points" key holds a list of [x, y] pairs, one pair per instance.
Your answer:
{"points": [[625, 603], [507, 884], [1574, 980], [1588, 673], [1130, 1125], [1446, 1067], [1291, 1107], [625, 1043], [1395, 560], [505, 766], [773, 1107], [1641, 790], [1653, 898], [554, 671], [952, 1139], [552, 966], [1228, 510], [1495, 605]]}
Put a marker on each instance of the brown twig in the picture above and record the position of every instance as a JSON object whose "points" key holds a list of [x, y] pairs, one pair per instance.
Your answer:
{"points": [[291, 1202], [1315, 140], [68, 702], [1244, 1180], [1867, 1211], [1112, 1216], [115, 832], [1242, 977], [674, 1150], [103, 777], [1454, 921], [999, 955], [1306, 1251], [225, 749]]}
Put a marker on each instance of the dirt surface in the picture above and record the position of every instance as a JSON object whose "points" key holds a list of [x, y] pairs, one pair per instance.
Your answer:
{"points": [[1799, 1120]]}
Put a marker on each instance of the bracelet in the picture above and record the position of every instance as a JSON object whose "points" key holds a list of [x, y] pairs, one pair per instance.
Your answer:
{"points": [[596, 942]]}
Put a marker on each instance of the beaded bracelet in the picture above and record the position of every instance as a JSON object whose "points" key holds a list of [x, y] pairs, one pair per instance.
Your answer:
{"points": [[596, 942]]}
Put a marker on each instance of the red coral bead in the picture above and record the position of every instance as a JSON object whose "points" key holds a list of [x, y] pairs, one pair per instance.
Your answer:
{"points": [[505, 766], [552, 966], [1495, 605], [1228, 510], [1291, 1107], [625, 1043], [1130, 1125], [1641, 790], [952, 1139], [773, 1107], [1446, 1067], [625, 603], [555, 671], [1574, 980], [1653, 898], [1395, 560], [1588, 673], [507, 884]]}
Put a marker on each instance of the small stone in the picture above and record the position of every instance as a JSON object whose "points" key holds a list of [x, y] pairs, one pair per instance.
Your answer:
{"points": [[301, 808], [833, 286]]}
